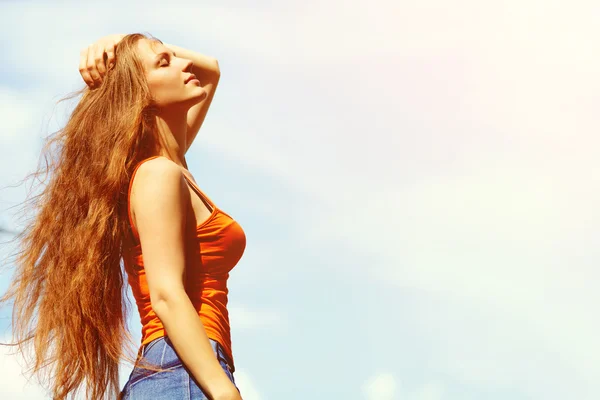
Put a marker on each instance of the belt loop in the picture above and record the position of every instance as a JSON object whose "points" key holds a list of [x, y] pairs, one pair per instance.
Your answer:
{"points": [[162, 357], [219, 349], [224, 356], [216, 346]]}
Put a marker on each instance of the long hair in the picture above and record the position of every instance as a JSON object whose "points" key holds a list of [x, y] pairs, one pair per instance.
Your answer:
{"points": [[69, 261]]}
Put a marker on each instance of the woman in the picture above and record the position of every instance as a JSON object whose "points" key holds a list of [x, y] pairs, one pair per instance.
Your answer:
{"points": [[121, 189]]}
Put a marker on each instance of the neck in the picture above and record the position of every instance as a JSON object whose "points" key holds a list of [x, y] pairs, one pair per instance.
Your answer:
{"points": [[173, 128]]}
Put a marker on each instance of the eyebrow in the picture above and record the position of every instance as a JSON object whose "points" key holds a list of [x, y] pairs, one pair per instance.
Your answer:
{"points": [[160, 55]]}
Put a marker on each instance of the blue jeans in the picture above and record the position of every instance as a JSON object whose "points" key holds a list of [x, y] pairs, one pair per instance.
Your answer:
{"points": [[175, 384]]}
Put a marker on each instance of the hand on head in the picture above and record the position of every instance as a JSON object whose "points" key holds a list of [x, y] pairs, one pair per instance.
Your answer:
{"points": [[92, 65]]}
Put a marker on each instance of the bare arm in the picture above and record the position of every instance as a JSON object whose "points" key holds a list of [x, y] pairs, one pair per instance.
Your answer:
{"points": [[208, 73], [161, 224]]}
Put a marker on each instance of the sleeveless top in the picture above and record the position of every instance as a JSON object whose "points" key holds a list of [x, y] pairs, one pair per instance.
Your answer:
{"points": [[216, 248]]}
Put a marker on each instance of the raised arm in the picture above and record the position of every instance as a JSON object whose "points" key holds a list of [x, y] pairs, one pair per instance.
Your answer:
{"points": [[160, 206], [208, 73]]}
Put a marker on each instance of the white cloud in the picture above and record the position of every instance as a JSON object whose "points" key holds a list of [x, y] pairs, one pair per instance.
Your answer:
{"points": [[16, 113], [507, 240], [246, 385], [13, 383], [26, 117], [380, 387], [456, 144], [243, 318], [431, 391]]}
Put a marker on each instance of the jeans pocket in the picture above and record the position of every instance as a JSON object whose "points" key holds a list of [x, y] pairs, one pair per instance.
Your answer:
{"points": [[153, 355], [150, 345]]}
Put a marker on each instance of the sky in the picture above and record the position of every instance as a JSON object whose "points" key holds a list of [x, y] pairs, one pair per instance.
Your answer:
{"points": [[417, 181]]}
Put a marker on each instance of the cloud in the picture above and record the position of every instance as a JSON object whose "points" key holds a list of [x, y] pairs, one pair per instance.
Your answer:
{"points": [[380, 387], [507, 244], [246, 385], [13, 383], [431, 391], [243, 318], [25, 115], [454, 145]]}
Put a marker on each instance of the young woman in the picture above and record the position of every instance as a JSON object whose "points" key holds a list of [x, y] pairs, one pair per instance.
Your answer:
{"points": [[121, 190]]}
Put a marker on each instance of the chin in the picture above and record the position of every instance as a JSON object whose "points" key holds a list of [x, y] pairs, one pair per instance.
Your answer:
{"points": [[203, 95]]}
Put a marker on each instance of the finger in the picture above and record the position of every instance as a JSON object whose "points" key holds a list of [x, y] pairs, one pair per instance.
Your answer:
{"points": [[83, 55], [110, 57], [91, 66], [99, 60]]}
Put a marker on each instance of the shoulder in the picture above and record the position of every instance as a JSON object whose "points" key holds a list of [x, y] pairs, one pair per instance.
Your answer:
{"points": [[158, 167], [159, 180]]}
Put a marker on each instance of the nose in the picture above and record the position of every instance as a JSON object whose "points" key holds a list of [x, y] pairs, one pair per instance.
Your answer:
{"points": [[188, 66]]}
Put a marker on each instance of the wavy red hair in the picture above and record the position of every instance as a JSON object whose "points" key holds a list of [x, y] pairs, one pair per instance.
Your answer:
{"points": [[69, 287]]}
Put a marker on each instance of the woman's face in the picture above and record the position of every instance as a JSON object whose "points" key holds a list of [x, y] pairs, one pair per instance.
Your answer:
{"points": [[167, 74]]}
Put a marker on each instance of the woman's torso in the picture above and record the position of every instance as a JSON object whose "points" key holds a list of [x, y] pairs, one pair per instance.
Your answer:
{"points": [[215, 243]]}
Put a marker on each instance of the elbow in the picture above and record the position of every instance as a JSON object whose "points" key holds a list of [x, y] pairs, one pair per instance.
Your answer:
{"points": [[163, 299]]}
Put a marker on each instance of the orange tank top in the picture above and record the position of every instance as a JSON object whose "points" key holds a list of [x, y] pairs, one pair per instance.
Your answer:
{"points": [[217, 247]]}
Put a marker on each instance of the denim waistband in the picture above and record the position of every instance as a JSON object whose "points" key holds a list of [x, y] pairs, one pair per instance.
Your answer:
{"points": [[218, 349]]}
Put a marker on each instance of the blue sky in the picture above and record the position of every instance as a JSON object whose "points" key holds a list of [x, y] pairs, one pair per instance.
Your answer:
{"points": [[418, 183]]}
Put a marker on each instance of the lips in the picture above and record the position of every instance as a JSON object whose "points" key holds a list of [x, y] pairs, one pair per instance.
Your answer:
{"points": [[192, 76]]}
